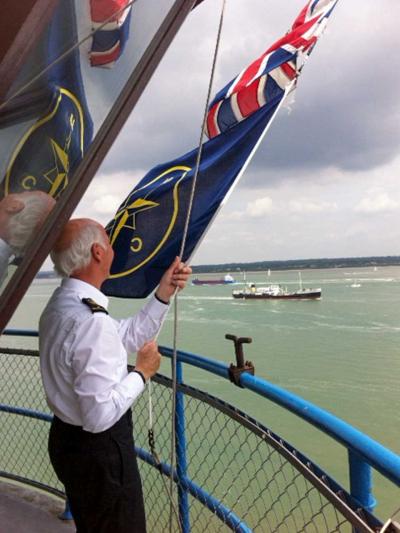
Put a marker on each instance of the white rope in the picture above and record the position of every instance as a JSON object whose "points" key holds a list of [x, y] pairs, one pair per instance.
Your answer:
{"points": [[63, 55], [183, 245], [173, 509]]}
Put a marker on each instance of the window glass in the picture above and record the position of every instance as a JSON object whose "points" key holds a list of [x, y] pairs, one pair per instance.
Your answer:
{"points": [[57, 102]]}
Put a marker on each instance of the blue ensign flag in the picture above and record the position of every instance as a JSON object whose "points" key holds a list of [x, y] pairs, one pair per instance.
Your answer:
{"points": [[46, 156], [147, 230]]}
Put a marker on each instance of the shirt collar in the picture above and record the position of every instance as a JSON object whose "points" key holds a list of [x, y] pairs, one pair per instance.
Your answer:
{"points": [[85, 290]]}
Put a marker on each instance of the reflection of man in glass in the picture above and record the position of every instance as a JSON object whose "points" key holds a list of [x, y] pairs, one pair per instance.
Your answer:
{"points": [[21, 215]]}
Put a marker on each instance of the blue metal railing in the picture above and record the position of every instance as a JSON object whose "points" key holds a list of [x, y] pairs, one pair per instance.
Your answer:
{"points": [[185, 484], [363, 451], [181, 462]]}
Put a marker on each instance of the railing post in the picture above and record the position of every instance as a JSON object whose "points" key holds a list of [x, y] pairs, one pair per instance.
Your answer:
{"points": [[66, 514], [360, 474], [181, 464]]}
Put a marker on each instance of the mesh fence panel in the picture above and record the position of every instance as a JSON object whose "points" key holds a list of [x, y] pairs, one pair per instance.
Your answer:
{"points": [[238, 468], [23, 440], [226, 459]]}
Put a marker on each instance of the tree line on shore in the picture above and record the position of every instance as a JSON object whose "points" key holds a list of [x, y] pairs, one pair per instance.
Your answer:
{"points": [[301, 264], [290, 264]]}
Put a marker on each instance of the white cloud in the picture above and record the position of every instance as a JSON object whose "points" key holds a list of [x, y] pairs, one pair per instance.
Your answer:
{"points": [[260, 207], [105, 194], [107, 204], [308, 206], [257, 208], [380, 203], [234, 215]]}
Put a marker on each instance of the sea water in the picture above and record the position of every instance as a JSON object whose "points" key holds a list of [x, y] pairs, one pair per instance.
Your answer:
{"points": [[340, 352]]}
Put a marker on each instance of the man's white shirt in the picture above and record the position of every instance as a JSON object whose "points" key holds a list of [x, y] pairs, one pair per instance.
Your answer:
{"points": [[84, 355]]}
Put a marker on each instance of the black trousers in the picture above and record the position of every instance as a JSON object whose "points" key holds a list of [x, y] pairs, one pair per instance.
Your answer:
{"points": [[100, 475]]}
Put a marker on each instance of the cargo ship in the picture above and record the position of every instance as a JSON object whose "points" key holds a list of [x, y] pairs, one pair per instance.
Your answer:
{"points": [[276, 292], [226, 280]]}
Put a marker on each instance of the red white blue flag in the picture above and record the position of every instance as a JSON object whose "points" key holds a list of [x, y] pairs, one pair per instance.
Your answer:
{"points": [[270, 74], [146, 232], [111, 20]]}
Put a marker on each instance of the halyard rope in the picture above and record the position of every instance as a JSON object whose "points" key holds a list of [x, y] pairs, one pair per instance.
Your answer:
{"points": [[175, 296]]}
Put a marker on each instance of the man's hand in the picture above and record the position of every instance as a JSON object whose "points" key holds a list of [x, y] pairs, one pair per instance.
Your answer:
{"points": [[148, 359], [175, 277]]}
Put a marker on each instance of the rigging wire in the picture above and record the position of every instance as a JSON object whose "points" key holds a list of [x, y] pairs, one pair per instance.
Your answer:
{"points": [[183, 245], [151, 438]]}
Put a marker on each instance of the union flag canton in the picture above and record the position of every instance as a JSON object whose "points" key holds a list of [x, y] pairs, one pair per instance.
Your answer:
{"points": [[113, 19], [267, 78]]}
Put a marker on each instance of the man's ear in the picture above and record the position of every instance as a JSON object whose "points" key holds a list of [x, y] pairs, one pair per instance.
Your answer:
{"points": [[14, 206], [97, 251]]}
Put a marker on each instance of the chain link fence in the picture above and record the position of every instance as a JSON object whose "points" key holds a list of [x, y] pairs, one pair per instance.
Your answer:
{"points": [[248, 470]]}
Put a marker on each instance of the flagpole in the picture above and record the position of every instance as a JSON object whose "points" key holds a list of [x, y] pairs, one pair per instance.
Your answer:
{"points": [[244, 167]]}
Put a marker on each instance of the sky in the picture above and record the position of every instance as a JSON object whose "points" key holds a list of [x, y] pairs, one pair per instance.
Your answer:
{"points": [[324, 182]]}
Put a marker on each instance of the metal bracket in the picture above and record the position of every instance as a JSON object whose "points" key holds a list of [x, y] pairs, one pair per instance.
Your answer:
{"points": [[236, 371]]}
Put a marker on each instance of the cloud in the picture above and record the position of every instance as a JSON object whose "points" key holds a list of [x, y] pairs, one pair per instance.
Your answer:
{"points": [[309, 206], [346, 113], [323, 164], [260, 207], [265, 206], [381, 203], [106, 204], [105, 195]]}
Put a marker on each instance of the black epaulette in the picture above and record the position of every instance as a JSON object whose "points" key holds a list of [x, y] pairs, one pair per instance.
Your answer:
{"points": [[93, 306]]}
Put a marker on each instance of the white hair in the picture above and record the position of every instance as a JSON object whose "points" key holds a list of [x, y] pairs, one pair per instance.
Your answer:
{"points": [[79, 254], [24, 224]]}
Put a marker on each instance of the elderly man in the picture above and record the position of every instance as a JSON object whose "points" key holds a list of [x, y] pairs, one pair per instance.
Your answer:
{"points": [[83, 353], [21, 214]]}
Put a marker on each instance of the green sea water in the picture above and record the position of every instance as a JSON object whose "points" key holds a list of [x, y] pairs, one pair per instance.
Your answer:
{"points": [[340, 352]]}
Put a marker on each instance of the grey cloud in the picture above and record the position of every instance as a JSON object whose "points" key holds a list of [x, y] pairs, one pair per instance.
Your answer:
{"points": [[346, 113]]}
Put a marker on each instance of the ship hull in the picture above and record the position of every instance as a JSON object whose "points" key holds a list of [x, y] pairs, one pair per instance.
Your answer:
{"points": [[211, 282], [311, 295]]}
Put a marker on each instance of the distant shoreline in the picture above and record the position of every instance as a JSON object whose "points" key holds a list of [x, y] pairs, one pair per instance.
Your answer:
{"points": [[300, 264], [292, 264]]}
